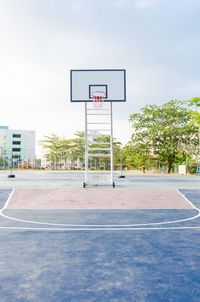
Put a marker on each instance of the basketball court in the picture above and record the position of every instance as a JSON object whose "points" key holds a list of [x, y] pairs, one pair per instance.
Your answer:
{"points": [[99, 243]]}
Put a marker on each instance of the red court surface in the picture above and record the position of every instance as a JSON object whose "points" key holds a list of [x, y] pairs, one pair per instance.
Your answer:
{"points": [[98, 199]]}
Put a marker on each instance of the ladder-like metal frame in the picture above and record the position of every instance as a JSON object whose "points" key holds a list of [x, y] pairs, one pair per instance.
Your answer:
{"points": [[88, 133]]}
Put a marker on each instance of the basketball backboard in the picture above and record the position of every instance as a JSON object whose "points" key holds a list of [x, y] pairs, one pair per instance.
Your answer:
{"points": [[109, 84]]}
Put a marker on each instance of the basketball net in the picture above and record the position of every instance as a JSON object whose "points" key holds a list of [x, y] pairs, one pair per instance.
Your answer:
{"points": [[98, 102], [98, 97]]}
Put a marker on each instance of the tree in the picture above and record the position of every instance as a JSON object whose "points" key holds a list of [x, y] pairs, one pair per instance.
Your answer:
{"points": [[158, 131], [61, 149], [1, 162], [195, 115], [51, 144], [57, 149], [38, 163], [134, 155], [103, 141], [74, 149], [195, 103], [65, 150], [78, 147]]}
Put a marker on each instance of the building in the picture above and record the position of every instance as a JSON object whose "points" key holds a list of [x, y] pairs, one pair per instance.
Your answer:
{"points": [[17, 147]]}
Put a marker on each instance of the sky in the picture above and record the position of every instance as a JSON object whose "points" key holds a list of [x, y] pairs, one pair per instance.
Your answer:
{"points": [[156, 41]]}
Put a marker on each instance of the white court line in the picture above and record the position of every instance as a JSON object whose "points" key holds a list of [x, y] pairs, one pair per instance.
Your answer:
{"points": [[99, 229], [7, 202], [101, 225], [188, 200]]}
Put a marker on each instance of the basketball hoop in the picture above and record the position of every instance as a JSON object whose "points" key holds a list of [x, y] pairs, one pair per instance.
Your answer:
{"points": [[98, 97]]}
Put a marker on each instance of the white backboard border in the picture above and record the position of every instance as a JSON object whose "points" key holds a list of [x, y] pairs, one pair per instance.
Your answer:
{"points": [[104, 85]]}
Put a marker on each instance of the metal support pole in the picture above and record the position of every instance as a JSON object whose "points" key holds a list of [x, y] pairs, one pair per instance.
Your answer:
{"points": [[111, 145], [199, 153], [186, 161], [121, 162], [86, 146]]}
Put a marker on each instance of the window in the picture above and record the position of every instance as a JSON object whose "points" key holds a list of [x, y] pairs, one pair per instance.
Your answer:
{"points": [[16, 143], [16, 135], [16, 149], [16, 156]]}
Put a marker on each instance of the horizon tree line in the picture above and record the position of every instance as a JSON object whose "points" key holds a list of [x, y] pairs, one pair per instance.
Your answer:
{"points": [[164, 135]]}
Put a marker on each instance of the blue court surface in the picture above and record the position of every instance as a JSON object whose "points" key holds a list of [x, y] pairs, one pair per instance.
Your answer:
{"points": [[101, 255]]}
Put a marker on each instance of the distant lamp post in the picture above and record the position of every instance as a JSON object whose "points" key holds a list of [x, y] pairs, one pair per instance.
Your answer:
{"points": [[11, 175]]}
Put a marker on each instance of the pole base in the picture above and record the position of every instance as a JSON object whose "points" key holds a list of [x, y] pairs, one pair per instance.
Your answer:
{"points": [[11, 176]]}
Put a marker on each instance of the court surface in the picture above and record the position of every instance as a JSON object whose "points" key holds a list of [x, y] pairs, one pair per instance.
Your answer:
{"points": [[137, 242]]}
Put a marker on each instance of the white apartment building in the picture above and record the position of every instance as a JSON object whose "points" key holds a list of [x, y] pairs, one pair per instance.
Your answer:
{"points": [[17, 147]]}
